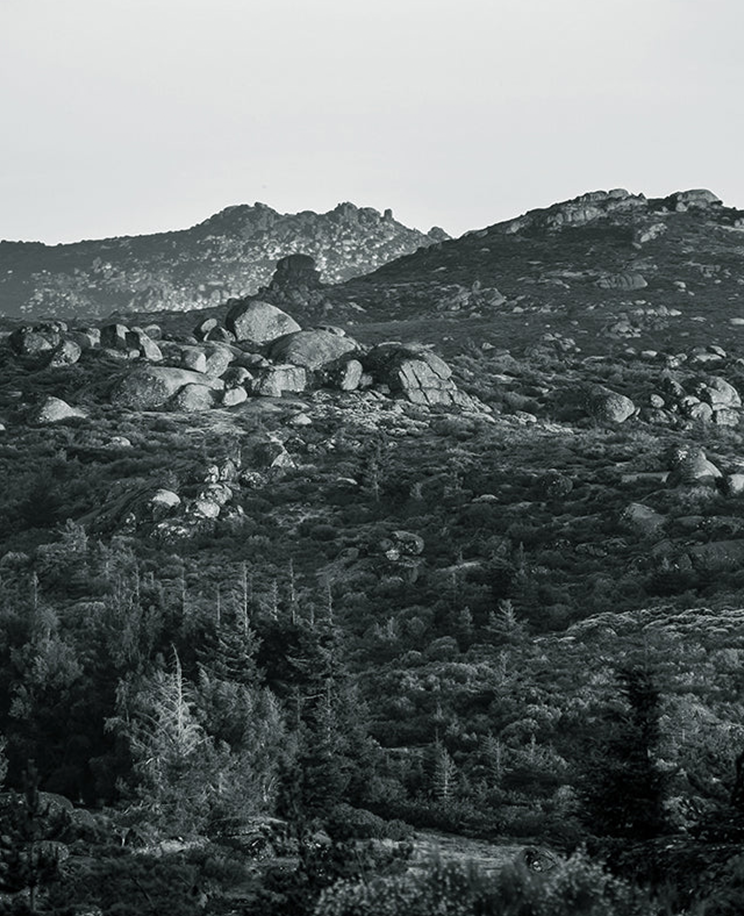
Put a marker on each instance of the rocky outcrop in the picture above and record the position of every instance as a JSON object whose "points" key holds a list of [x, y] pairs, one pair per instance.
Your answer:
{"points": [[150, 387], [296, 271], [418, 375], [228, 256], [697, 197], [257, 322]]}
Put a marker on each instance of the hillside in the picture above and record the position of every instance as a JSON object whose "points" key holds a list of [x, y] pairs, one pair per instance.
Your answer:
{"points": [[230, 254], [609, 269], [298, 590]]}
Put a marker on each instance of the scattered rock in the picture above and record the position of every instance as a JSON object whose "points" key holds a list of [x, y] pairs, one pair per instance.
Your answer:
{"points": [[218, 358], [52, 410], [642, 519], [719, 553], [609, 406], [86, 338], [627, 280], [733, 484], [235, 376], [346, 375], [234, 396], [202, 329], [689, 465], [554, 485], [163, 502]]}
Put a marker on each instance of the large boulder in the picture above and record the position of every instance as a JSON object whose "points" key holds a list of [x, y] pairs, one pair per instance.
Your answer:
{"points": [[419, 375], [193, 397], [718, 393], [608, 406], [690, 465], [295, 271], [52, 410], [140, 340], [696, 197], [67, 353], [33, 341], [275, 380], [114, 337], [259, 322], [312, 349], [151, 386]]}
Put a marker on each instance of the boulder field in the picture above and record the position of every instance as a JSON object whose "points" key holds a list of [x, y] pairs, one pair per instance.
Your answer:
{"points": [[260, 351]]}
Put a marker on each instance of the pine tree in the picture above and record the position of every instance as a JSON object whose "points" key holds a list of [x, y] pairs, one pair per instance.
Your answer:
{"points": [[171, 752], [444, 775], [623, 786]]}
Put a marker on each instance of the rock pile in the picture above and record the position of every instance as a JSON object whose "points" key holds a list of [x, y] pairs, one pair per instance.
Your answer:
{"points": [[260, 351], [710, 399]]}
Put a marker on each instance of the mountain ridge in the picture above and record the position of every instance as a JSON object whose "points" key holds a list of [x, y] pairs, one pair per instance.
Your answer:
{"points": [[231, 253]]}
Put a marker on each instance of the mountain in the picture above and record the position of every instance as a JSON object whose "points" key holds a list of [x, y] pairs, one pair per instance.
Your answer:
{"points": [[230, 254], [607, 268], [487, 581]]}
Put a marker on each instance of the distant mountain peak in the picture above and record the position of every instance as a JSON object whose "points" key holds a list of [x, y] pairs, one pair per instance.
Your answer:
{"points": [[230, 254]]}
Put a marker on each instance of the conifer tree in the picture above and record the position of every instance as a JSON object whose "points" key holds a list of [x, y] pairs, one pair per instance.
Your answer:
{"points": [[623, 786]]}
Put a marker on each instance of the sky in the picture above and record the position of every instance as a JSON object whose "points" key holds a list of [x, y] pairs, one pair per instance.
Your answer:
{"points": [[124, 117]]}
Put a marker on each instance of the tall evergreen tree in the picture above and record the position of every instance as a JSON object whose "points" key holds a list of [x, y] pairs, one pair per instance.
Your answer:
{"points": [[623, 786]]}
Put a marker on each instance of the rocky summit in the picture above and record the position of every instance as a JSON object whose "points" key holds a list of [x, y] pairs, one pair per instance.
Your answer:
{"points": [[231, 254]]}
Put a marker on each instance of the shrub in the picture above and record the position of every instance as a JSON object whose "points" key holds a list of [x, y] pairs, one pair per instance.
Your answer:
{"points": [[345, 823], [577, 887]]}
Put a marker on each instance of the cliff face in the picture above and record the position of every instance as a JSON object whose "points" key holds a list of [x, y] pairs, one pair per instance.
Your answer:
{"points": [[231, 254]]}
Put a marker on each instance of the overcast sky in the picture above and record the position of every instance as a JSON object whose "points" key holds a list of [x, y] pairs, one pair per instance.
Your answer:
{"points": [[131, 116]]}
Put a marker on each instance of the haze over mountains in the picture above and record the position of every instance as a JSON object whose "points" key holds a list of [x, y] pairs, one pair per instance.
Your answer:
{"points": [[230, 254]]}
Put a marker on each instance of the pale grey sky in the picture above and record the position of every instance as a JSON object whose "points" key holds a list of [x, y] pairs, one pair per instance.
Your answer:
{"points": [[131, 116]]}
